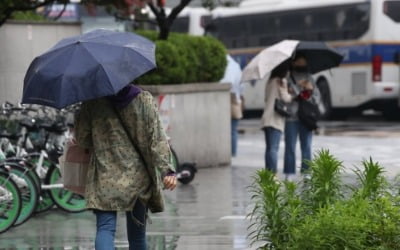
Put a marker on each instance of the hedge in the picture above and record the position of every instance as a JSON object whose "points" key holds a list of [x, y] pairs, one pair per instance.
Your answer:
{"points": [[185, 59]]}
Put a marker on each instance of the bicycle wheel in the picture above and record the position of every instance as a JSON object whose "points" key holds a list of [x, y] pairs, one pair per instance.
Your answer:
{"points": [[45, 202], [28, 188], [10, 202], [64, 199]]}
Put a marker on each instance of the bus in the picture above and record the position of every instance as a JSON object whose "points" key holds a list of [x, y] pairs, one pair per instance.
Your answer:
{"points": [[190, 20], [366, 32]]}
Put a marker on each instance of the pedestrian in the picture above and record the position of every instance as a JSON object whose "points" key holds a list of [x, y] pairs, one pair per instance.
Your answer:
{"points": [[233, 75], [301, 85], [123, 177], [272, 122], [237, 106]]}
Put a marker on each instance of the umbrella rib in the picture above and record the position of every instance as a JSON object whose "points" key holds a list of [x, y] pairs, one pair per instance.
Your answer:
{"points": [[100, 65], [50, 61], [113, 45], [125, 48]]}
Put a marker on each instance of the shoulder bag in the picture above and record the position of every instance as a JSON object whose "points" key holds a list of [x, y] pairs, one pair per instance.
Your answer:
{"points": [[281, 108], [74, 164], [236, 108]]}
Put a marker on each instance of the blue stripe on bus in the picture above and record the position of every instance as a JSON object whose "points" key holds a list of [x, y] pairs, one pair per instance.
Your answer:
{"points": [[364, 53], [353, 54]]}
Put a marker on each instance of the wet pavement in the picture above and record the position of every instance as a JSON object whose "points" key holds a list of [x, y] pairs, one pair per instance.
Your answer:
{"points": [[210, 213]]}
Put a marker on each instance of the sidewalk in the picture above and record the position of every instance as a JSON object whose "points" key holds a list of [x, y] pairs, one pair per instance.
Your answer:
{"points": [[209, 213], [349, 142]]}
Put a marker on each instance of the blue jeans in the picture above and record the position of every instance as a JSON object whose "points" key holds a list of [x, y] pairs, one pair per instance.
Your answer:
{"points": [[106, 225], [272, 139], [292, 130], [234, 136]]}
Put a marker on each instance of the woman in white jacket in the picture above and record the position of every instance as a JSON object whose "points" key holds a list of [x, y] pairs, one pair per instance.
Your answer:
{"points": [[273, 123]]}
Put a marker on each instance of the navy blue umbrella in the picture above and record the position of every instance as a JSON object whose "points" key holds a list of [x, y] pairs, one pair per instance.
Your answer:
{"points": [[89, 66]]}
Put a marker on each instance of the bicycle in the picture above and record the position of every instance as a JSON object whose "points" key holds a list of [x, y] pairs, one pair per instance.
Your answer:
{"points": [[47, 175], [10, 202]]}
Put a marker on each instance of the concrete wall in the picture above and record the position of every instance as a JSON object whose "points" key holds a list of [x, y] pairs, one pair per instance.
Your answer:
{"points": [[197, 118], [20, 43]]}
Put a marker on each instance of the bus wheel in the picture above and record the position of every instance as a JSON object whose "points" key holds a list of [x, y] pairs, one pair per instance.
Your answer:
{"points": [[391, 113], [323, 87]]}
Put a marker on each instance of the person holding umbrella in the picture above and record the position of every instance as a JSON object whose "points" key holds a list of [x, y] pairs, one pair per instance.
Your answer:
{"points": [[122, 177], [272, 122], [307, 58], [301, 86], [118, 122]]}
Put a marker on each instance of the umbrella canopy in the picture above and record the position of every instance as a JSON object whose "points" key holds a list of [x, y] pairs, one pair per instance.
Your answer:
{"points": [[233, 75], [268, 59], [89, 66], [319, 57]]}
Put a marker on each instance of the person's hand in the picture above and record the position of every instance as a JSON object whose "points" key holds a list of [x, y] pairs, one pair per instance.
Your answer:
{"points": [[305, 94], [170, 182], [306, 85]]}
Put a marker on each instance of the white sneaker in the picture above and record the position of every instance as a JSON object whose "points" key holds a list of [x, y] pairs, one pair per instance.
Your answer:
{"points": [[306, 176]]}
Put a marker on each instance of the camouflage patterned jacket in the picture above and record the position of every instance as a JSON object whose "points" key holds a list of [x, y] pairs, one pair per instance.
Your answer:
{"points": [[117, 176]]}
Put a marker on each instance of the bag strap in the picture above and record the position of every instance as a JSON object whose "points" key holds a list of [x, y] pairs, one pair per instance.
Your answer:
{"points": [[292, 78], [131, 140]]}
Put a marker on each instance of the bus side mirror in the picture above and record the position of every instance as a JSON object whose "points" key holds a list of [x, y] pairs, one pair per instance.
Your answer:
{"points": [[397, 57]]}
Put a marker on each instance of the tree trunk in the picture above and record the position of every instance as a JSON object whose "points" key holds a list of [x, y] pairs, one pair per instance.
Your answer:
{"points": [[164, 22], [165, 27]]}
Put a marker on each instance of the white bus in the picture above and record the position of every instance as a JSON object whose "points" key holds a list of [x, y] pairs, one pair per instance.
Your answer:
{"points": [[367, 32], [190, 20]]}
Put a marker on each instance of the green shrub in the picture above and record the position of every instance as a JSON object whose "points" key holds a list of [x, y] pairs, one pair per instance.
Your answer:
{"points": [[185, 59], [149, 34], [322, 213], [168, 68], [324, 185], [189, 58], [27, 16]]}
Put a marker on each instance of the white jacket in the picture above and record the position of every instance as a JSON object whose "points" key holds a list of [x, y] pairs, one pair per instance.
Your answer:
{"points": [[274, 90]]}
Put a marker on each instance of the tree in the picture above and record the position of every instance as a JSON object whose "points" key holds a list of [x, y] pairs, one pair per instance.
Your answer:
{"points": [[8, 7], [119, 8], [165, 22]]}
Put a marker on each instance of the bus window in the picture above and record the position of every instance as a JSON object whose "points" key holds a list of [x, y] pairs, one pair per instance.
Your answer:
{"points": [[206, 23], [357, 19], [392, 10], [180, 24], [334, 23]]}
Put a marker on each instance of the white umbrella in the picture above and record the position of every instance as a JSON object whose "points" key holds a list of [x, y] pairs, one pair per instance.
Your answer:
{"points": [[265, 61], [233, 75]]}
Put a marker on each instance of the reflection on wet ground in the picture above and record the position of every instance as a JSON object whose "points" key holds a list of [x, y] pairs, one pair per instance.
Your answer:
{"points": [[209, 213]]}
